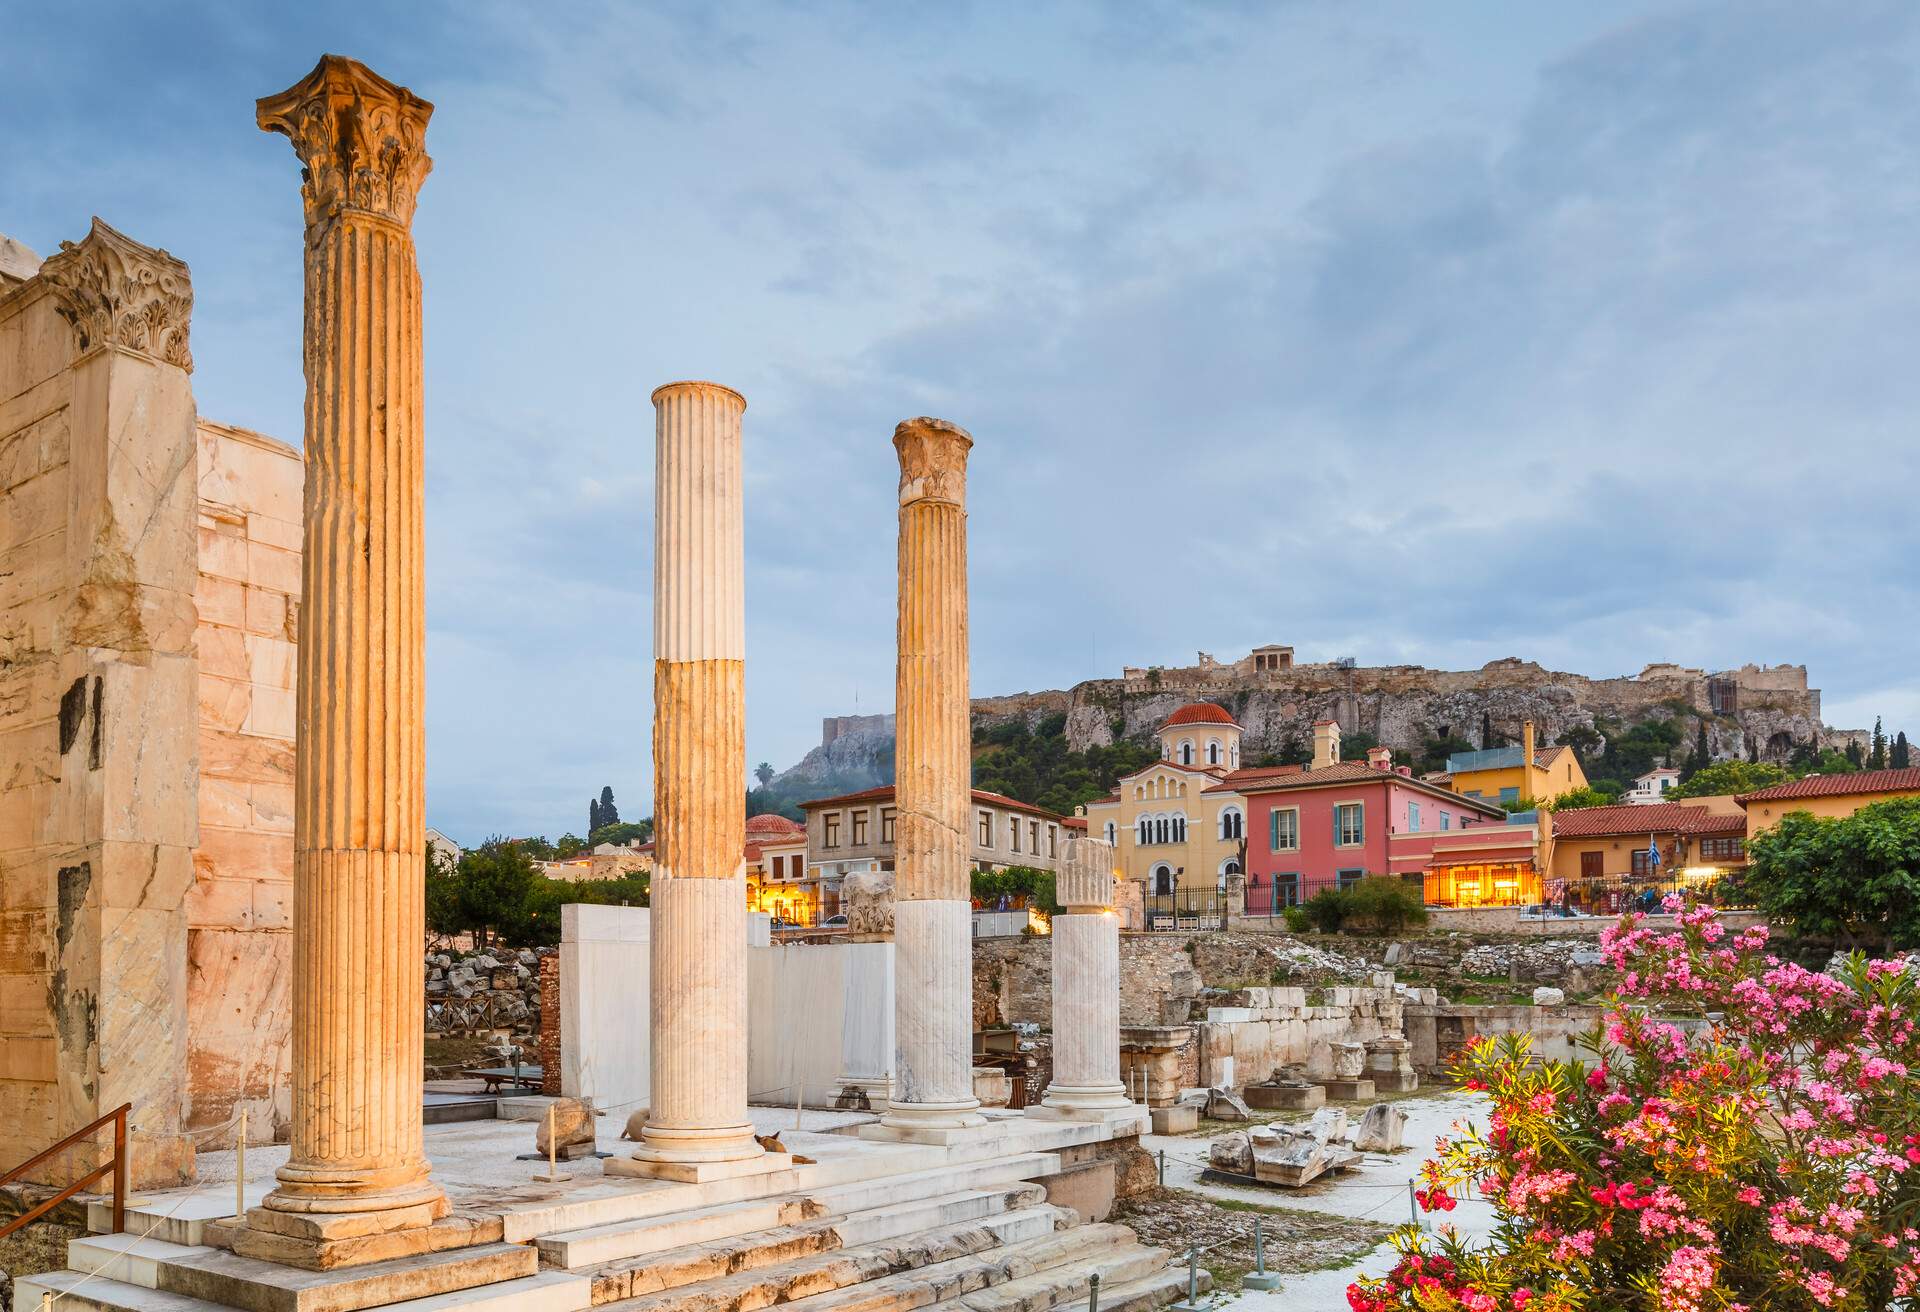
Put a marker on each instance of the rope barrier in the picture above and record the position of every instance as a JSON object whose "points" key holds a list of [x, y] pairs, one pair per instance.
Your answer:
{"points": [[53, 1298]]}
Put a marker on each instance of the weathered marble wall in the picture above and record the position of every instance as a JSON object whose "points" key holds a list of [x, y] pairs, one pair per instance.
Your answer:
{"points": [[147, 605], [98, 814], [239, 911]]}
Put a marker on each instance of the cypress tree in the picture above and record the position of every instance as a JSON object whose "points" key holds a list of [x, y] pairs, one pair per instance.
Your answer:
{"points": [[1902, 755], [1877, 757], [609, 813]]}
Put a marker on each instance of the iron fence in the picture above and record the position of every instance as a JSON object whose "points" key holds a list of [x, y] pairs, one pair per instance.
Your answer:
{"points": [[1195, 909]]}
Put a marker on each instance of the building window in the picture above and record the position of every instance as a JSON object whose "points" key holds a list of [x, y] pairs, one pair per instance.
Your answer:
{"points": [[986, 829], [1186, 752], [1180, 829], [886, 824], [1283, 828], [1592, 865], [1213, 751], [1162, 880], [1013, 832], [1446, 821], [1349, 824], [1508, 796], [1722, 849], [1033, 837], [833, 830], [859, 829], [1348, 878], [1233, 825], [1286, 890], [1053, 840], [1113, 832], [1413, 817], [1643, 862]]}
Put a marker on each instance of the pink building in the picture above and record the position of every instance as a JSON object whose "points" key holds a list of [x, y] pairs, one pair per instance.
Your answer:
{"points": [[1333, 823]]}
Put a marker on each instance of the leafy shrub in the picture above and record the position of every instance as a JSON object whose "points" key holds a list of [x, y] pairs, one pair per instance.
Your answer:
{"points": [[1326, 910], [1297, 919], [1384, 906]]}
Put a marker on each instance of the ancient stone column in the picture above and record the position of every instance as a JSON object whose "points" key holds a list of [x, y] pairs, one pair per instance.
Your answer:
{"points": [[933, 935], [697, 1124], [360, 766], [1086, 985]]}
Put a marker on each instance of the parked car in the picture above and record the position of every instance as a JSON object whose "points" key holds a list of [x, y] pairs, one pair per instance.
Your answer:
{"points": [[834, 922]]}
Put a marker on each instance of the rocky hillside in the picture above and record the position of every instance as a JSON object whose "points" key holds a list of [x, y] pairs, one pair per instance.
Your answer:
{"points": [[1405, 707]]}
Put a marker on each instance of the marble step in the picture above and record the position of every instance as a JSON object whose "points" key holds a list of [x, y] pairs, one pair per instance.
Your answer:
{"points": [[892, 1190], [74, 1291], [650, 1273], [77, 1291], [176, 1216], [1118, 1292], [1068, 1284], [127, 1258], [252, 1285], [573, 1249], [908, 1272]]}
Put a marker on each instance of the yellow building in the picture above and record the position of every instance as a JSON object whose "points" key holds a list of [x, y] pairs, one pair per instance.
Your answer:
{"points": [[1174, 829], [1512, 774], [1827, 795]]}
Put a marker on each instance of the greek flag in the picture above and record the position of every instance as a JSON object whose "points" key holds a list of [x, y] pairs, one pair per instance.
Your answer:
{"points": [[1653, 852]]}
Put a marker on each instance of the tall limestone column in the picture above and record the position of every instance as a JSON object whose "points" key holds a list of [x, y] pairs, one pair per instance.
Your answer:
{"points": [[932, 910], [360, 766], [697, 1124], [1086, 988]]}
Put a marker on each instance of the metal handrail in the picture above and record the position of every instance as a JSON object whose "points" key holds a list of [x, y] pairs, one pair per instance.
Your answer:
{"points": [[116, 1164]]}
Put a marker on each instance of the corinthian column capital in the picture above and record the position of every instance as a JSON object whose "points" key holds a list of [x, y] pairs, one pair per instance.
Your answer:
{"points": [[1084, 882], [116, 292], [360, 138], [933, 460]]}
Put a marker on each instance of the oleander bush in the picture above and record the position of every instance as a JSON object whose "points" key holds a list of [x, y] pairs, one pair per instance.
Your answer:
{"points": [[1765, 1159]]}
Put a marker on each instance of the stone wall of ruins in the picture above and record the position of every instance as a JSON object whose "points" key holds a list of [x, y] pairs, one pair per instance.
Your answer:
{"points": [[147, 605], [240, 908], [97, 693]]}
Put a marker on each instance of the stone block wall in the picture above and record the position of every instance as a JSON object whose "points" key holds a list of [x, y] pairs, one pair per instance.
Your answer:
{"points": [[239, 911], [149, 575], [1265, 1029], [97, 689], [549, 1038]]}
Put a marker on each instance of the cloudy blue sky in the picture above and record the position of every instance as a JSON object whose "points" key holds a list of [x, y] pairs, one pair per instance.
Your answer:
{"points": [[1423, 332]]}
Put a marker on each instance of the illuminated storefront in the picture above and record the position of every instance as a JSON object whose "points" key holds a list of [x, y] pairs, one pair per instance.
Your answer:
{"points": [[1483, 884]]}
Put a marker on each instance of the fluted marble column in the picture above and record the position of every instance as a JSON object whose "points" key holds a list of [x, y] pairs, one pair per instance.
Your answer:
{"points": [[933, 936], [1086, 986], [359, 763], [697, 1125]]}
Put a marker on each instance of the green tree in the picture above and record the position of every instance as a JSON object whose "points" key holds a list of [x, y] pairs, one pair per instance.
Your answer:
{"points": [[1579, 798], [1901, 757], [764, 773], [1877, 757], [1021, 885], [569, 845], [1700, 757], [1434, 752], [1850, 880], [603, 813], [1856, 757], [1729, 777], [1034, 765], [490, 889], [635, 831], [443, 901]]}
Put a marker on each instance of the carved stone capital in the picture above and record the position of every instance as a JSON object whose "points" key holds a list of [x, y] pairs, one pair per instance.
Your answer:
{"points": [[116, 292], [360, 138], [933, 460], [1084, 881]]}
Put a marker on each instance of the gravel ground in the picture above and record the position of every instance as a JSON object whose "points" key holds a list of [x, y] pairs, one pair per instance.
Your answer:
{"points": [[1292, 1239]]}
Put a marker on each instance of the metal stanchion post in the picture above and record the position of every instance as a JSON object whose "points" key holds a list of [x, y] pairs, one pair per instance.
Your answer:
{"points": [[1192, 1303], [240, 1168], [1093, 1292], [1259, 1278], [1162, 1155]]}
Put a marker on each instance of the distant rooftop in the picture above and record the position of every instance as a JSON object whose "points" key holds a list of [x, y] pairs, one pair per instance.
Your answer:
{"points": [[1499, 758]]}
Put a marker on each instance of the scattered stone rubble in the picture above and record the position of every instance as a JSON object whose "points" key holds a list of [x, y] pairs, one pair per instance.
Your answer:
{"points": [[485, 992], [1298, 1154]]}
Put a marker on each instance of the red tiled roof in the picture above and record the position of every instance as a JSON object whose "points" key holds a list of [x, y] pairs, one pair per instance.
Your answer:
{"points": [[1253, 774], [772, 823], [1343, 774], [1653, 818], [1074, 822], [884, 793], [1838, 785], [1198, 713]]}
